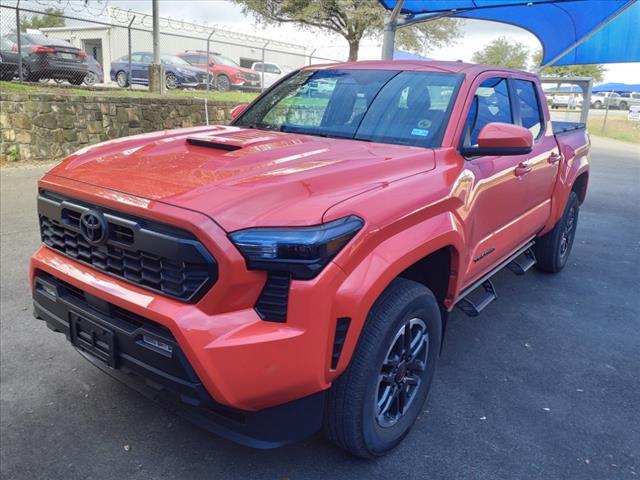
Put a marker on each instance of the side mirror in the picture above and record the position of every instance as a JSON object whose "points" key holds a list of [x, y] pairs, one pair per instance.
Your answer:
{"points": [[237, 110], [501, 139]]}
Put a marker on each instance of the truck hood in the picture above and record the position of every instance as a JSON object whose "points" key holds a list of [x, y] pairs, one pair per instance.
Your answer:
{"points": [[242, 177]]}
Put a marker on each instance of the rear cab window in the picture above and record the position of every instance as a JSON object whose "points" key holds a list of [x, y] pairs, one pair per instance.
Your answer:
{"points": [[531, 116]]}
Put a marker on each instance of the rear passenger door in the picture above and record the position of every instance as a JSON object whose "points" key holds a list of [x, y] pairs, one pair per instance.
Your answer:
{"points": [[544, 160], [497, 200]]}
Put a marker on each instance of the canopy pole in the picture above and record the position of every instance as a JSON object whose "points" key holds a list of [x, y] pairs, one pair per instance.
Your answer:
{"points": [[586, 37], [389, 32]]}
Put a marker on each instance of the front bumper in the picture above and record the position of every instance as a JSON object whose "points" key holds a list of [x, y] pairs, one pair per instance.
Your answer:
{"points": [[146, 356]]}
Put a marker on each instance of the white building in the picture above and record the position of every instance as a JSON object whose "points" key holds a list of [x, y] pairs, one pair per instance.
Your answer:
{"points": [[109, 41]]}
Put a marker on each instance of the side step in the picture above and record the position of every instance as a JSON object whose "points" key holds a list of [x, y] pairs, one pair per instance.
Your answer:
{"points": [[480, 301], [523, 262], [481, 293]]}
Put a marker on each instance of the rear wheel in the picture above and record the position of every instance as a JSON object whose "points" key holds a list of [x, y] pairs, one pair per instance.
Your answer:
{"points": [[597, 105], [553, 248], [90, 79], [76, 80], [372, 406], [623, 106]]}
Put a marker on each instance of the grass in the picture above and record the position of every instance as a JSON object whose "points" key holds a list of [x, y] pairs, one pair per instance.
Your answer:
{"points": [[25, 88], [616, 128]]}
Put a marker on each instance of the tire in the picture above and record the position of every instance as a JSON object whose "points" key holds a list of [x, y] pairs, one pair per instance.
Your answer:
{"points": [[59, 81], [362, 414], [171, 81], [90, 79], [554, 247], [597, 105], [121, 79], [223, 84], [76, 81], [623, 106]]}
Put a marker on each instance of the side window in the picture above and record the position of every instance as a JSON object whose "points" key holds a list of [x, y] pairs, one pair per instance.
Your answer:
{"points": [[530, 113], [490, 104], [146, 58]]}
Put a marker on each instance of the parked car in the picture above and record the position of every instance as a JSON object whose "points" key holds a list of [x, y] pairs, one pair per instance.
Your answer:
{"points": [[628, 100], [95, 73], [226, 73], [272, 72], [178, 73], [602, 99], [46, 57], [294, 271], [566, 100], [8, 59]]}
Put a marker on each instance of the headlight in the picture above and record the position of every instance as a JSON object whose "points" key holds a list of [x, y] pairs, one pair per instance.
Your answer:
{"points": [[301, 251]]}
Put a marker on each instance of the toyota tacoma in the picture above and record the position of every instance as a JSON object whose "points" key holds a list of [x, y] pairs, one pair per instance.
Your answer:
{"points": [[294, 271]]}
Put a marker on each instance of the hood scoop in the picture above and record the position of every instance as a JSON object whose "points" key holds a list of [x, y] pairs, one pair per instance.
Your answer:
{"points": [[231, 141]]}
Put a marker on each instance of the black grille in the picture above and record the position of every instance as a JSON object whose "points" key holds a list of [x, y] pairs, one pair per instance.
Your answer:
{"points": [[154, 256], [274, 299]]}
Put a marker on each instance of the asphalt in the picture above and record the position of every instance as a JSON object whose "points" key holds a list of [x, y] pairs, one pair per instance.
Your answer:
{"points": [[545, 384]]}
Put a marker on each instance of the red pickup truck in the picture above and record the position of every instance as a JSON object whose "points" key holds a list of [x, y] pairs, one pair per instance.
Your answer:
{"points": [[295, 270]]}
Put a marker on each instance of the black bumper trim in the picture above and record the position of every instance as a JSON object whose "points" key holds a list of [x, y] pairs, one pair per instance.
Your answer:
{"points": [[180, 391]]}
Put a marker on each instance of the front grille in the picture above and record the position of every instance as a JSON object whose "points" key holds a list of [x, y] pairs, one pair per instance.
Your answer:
{"points": [[154, 256]]}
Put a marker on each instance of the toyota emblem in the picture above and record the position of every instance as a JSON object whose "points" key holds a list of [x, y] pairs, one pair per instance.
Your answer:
{"points": [[93, 227]]}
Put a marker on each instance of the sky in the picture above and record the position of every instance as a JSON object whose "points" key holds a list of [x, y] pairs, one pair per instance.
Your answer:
{"points": [[226, 14]]}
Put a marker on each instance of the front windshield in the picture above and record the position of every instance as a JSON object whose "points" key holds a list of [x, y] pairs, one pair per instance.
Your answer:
{"points": [[173, 60], [222, 60], [400, 107]]}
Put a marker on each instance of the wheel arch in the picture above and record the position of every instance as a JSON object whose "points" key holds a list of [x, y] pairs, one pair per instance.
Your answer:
{"points": [[580, 186], [434, 263]]}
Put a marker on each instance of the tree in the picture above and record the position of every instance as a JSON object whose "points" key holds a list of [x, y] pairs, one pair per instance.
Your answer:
{"points": [[503, 52], [595, 71], [48, 19], [353, 20]]}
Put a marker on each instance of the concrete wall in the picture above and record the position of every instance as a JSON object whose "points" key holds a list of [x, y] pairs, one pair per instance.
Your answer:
{"points": [[52, 126]]}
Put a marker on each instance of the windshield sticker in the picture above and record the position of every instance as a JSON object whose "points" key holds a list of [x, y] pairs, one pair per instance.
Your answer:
{"points": [[421, 132]]}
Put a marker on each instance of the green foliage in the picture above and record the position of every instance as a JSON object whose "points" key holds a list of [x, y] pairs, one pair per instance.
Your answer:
{"points": [[353, 20], [503, 52], [595, 71], [43, 21], [13, 155]]}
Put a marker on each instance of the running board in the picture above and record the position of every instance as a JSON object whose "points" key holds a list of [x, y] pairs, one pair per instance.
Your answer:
{"points": [[523, 263], [481, 293]]}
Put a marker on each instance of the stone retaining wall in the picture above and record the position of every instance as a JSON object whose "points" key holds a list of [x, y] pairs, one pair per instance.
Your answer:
{"points": [[52, 126]]}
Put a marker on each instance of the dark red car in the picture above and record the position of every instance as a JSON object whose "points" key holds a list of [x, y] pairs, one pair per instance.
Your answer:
{"points": [[226, 73]]}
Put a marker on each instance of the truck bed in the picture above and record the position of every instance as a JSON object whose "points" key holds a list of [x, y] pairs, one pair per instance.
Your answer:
{"points": [[563, 127]]}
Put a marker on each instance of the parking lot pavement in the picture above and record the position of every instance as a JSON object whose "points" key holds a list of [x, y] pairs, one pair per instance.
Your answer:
{"points": [[543, 385]]}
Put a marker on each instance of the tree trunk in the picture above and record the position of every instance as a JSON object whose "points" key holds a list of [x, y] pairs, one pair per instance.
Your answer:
{"points": [[354, 46]]}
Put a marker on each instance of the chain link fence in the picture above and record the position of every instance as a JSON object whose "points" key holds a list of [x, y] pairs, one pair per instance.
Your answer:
{"points": [[115, 49]]}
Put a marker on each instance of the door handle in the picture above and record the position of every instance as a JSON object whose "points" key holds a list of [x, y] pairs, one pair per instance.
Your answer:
{"points": [[554, 158], [522, 169]]}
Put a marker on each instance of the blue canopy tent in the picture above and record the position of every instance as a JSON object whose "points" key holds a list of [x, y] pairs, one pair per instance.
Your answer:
{"points": [[617, 87], [571, 31]]}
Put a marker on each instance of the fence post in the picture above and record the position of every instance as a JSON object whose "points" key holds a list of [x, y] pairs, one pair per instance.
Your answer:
{"points": [[129, 48], [18, 37], [206, 98], [262, 76], [311, 55]]}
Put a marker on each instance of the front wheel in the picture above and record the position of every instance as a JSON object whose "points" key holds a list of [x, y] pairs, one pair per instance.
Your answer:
{"points": [[122, 80], [597, 105], [223, 83], [372, 406], [553, 248], [171, 81], [623, 106]]}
